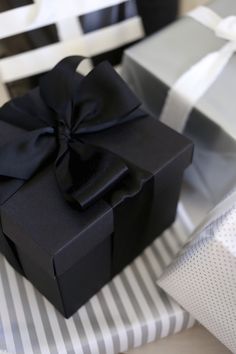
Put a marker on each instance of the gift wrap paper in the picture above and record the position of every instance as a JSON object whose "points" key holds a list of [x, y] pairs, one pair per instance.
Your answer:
{"points": [[203, 278], [128, 312]]}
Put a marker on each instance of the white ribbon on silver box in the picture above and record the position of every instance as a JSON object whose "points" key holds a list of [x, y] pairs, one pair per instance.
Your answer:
{"points": [[193, 84], [203, 277]]}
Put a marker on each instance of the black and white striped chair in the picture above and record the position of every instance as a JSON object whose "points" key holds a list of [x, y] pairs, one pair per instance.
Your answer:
{"points": [[35, 34], [58, 28]]}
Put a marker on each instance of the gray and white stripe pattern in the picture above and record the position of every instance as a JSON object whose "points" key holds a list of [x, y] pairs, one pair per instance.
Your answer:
{"points": [[128, 312]]}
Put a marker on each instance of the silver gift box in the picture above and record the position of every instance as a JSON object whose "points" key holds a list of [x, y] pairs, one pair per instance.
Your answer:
{"points": [[154, 65]]}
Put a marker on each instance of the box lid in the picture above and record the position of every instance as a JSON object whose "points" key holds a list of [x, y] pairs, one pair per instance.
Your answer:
{"points": [[37, 218]]}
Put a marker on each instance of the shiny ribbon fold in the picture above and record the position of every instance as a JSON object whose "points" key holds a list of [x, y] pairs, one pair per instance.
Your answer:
{"points": [[54, 121]]}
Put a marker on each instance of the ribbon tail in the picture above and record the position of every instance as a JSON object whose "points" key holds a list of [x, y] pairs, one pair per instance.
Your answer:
{"points": [[112, 170], [93, 173], [192, 85], [205, 16], [63, 174]]}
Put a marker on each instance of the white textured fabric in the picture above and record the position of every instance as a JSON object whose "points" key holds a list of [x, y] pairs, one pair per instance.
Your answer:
{"points": [[128, 312], [193, 84], [203, 277]]}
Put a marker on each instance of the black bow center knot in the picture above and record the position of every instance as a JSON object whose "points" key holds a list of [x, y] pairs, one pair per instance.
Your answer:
{"points": [[64, 132]]}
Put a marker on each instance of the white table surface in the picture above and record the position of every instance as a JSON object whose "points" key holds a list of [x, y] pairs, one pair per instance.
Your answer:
{"points": [[195, 340]]}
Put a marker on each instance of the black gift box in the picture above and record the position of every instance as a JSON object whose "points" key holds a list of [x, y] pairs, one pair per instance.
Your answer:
{"points": [[68, 252]]}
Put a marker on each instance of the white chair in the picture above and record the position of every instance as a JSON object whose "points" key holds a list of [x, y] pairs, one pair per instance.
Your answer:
{"points": [[72, 41]]}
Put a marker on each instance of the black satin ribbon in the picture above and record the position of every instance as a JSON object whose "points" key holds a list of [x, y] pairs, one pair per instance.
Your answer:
{"points": [[54, 120]]}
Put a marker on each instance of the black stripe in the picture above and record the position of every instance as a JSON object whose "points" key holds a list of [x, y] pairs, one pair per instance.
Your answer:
{"points": [[6, 5], [108, 16], [21, 87], [24, 42], [157, 14]]}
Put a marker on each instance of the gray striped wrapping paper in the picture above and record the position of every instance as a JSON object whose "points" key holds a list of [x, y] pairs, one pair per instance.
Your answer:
{"points": [[128, 312]]}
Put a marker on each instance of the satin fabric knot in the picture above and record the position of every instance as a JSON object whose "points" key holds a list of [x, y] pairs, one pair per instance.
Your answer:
{"points": [[55, 120], [64, 132]]}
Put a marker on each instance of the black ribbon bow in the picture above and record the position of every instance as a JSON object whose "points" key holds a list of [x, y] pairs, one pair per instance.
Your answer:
{"points": [[55, 119]]}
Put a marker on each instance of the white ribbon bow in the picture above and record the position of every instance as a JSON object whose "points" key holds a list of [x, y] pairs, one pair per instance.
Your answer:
{"points": [[193, 84]]}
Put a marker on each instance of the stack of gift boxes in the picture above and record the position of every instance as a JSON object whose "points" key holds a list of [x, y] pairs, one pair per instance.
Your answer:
{"points": [[185, 76], [89, 180]]}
